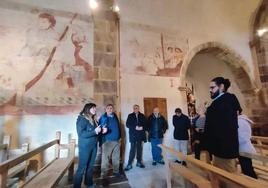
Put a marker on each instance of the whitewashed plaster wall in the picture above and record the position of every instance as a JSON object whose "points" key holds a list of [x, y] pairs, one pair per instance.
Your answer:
{"points": [[203, 21]]}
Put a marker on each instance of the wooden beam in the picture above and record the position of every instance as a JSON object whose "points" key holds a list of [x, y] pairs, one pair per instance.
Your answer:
{"points": [[3, 179], [7, 140], [262, 168], [194, 178], [254, 156], [261, 146], [3, 146], [261, 138], [38, 172], [57, 146], [71, 154], [168, 174], [233, 177]]}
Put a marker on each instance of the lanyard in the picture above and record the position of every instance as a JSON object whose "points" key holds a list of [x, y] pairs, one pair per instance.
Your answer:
{"points": [[218, 96]]}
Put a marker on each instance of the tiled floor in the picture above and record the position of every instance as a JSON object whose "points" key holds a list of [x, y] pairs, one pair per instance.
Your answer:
{"points": [[153, 177], [148, 177]]}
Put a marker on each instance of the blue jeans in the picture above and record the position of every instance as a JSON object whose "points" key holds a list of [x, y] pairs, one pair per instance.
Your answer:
{"points": [[156, 151], [86, 163]]}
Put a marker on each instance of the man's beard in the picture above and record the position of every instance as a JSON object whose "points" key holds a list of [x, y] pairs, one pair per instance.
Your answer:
{"points": [[214, 95]]}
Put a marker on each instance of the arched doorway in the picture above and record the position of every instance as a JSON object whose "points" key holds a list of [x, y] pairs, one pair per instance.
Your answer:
{"points": [[216, 59]]}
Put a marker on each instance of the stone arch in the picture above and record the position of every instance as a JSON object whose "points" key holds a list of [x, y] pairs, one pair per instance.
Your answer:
{"points": [[238, 66], [254, 20], [259, 48], [258, 44]]}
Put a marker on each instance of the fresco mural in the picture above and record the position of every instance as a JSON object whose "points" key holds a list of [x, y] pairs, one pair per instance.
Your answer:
{"points": [[46, 61], [151, 51]]}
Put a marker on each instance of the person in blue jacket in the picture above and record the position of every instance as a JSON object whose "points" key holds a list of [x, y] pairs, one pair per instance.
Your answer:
{"points": [[87, 130], [110, 142]]}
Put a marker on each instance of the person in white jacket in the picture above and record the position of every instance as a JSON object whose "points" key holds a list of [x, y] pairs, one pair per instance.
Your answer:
{"points": [[245, 145]]}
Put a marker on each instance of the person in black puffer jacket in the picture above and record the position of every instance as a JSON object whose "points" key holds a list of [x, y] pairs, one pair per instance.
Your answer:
{"points": [[136, 123], [157, 126]]}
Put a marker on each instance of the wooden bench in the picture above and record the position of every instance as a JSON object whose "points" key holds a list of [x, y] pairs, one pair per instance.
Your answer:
{"points": [[259, 160], [19, 171], [214, 175], [261, 144], [50, 174]]}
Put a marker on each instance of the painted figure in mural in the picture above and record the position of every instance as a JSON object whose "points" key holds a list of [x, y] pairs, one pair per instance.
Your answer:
{"points": [[221, 118], [164, 60], [181, 125], [36, 54], [136, 122], [173, 57], [88, 131], [35, 45], [42, 53], [157, 126], [110, 141], [79, 61], [170, 60]]}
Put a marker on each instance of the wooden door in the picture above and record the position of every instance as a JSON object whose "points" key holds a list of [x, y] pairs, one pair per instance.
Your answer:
{"points": [[150, 103]]}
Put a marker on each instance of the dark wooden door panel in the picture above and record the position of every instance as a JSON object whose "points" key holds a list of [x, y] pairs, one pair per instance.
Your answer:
{"points": [[150, 103]]}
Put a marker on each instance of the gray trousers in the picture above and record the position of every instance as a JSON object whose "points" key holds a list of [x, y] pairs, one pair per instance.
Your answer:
{"points": [[110, 151]]}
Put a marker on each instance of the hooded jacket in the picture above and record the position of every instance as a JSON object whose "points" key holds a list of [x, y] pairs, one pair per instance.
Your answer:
{"points": [[244, 134]]}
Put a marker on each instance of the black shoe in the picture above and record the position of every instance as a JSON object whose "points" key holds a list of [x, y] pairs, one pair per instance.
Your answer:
{"points": [[177, 161], [154, 163], [139, 164], [105, 182], [161, 162], [128, 167], [184, 163], [117, 174]]}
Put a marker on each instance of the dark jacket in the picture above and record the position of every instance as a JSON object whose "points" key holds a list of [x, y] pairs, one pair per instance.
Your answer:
{"points": [[132, 122], [87, 136], [181, 125], [113, 133], [221, 128], [156, 126]]}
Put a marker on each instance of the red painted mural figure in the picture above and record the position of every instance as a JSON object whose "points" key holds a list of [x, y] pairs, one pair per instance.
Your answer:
{"points": [[43, 54], [79, 61]]}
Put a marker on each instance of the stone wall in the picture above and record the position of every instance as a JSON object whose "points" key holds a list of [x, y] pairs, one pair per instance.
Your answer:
{"points": [[105, 54], [259, 49]]}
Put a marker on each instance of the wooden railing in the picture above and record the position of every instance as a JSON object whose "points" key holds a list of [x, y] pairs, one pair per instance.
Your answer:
{"points": [[261, 144], [215, 175], [260, 159], [8, 164], [4, 147]]}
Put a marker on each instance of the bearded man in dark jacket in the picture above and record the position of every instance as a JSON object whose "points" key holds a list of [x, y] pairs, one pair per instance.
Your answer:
{"points": [[221, 127], [157, 126]]}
